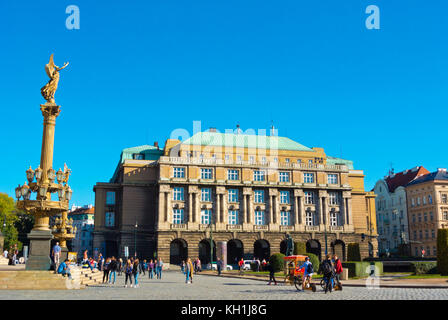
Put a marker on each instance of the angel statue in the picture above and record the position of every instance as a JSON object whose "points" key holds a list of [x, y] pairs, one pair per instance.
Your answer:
{"points": [[50, 88]]}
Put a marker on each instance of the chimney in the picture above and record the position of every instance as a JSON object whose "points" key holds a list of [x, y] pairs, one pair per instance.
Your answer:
{"points": [[156, 144]]}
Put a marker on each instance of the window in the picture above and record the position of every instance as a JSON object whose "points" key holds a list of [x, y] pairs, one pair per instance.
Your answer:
{"points": [[138, 156], [284, 176], [309, 197], [444, 198], [275, 159], [420, 234], [415, 235], [418, 201], [259, 175], [429, 199], [263, 159], [206, 173], [445, 215], [239, 158], [232, 174], [309, 221], [433, 234], [110, 219], [233, 195], [178, 216], [333, 218], [332, 178], [413, 202], [310, 161], [419, 217], [425, 217], [431, 217], [333, 197], [308, 177], [206, 194], [251, 159], [299, 161], [413, 218], [259, 196], [259, 218], [287, 160], [206, 216], [178, 194], [233, 216], [285, 218], [424, 200], [284, 197], [110, 198], [434, 251], [227, 157], [178, 172]]}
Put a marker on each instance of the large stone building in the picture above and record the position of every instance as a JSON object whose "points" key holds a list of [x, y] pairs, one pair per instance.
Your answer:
{"points": [[247, 191], [427, 201], [392, 213]]}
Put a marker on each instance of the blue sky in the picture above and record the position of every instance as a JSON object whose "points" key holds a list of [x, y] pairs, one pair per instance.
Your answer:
{"points": [[140, 69]]}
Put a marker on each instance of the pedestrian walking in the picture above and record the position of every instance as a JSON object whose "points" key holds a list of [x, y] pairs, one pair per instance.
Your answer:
{"points": [[188, 271], [144, 267], [135, 272], [128, 273], [182, 266], [151, 269], [106, 270], [56, 254], [100, 262], [327, 270], [120, 266], [113, 266], [338, 269], [241, 265], [270, 268], [159, 268], [219, 266]]}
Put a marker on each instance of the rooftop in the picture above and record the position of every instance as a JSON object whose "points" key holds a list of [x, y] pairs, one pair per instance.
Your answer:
{"points": [[403, 178], [440, 174]]}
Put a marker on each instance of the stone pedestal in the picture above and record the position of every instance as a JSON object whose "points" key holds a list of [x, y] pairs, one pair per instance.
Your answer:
{"points": [[40, 249], [64, 254]]}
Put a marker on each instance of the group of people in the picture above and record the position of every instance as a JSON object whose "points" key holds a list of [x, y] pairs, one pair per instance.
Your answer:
{"points": [[131, 268], [11, 254], [331, 268]]}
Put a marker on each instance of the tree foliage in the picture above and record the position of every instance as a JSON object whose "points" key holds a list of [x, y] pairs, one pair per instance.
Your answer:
{"points": [[9, 216]]}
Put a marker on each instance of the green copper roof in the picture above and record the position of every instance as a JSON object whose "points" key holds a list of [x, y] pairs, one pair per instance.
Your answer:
{"points": [[216, 139], [339, 161], [148, 152]]}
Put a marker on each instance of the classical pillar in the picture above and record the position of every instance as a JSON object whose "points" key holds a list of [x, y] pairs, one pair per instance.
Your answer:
{"points": [[225, 210], [190, 207], [168, 208], [196, 208], [245, 208], [271, 209], [296, 210], [218, 208], [162, 216]]}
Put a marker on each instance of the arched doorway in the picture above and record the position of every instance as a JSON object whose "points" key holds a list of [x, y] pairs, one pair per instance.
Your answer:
{"points": [[204, 251], [283, 247], [338, 248], [313, 246], [178, 251], [234, 251], [262, 250]]}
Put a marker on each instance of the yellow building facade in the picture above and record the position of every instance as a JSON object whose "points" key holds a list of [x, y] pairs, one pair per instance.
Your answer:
{"points": [[241, 193]]}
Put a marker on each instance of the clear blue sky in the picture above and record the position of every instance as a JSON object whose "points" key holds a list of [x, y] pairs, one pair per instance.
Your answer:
{"points": [[140, 69]]}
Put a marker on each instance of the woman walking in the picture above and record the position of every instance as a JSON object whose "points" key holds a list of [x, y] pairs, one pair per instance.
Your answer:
{"points": [[159, 268], [150, 269], [135, 273], [188, 271], [128, 273], [120, 266], [113, 265], [106, 270]]}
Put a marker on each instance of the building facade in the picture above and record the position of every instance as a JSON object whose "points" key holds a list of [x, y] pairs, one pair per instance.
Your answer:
{"points": [[244, 191], [427, 201], [83, 220], [391, 210]]}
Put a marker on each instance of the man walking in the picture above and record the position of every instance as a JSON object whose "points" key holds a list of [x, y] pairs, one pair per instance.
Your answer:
{"points": [[56, 254], [270, 268], [219, 266]]}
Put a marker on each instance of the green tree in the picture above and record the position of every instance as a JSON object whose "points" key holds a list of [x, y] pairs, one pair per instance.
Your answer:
{"points": [[8, 218], [299, 247]]}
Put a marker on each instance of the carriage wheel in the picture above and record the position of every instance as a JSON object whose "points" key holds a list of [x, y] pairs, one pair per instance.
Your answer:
{"points": [[298, 283], [313, 287]]}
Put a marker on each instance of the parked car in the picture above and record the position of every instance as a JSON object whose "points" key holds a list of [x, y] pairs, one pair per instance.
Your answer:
{"points": [[214, 267], [247, 264]]}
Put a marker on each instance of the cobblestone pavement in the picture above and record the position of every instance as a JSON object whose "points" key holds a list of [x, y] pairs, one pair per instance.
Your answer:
{"points": [[173, 287]]}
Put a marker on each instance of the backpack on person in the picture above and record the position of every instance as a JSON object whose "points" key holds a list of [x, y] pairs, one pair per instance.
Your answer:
{"points": [[309, 268], [326, 268]]}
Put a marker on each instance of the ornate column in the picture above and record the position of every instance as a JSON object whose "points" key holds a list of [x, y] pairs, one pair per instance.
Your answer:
{"points": [[218, 208], [244, 208], [190, 206]]}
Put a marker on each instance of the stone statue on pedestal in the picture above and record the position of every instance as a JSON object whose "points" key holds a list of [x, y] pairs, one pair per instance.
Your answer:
{"points": [[289, 245]]}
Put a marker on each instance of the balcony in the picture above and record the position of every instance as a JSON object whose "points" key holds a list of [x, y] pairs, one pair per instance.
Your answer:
{"points": [[261, 227], [178, 226], [336, 228], [311, 228], [286, 228], [234, 227], [205, 227], [281, 165]]}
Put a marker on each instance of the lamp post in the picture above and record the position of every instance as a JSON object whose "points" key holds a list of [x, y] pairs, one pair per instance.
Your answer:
{"points": [[135, 239], [43, 207]]}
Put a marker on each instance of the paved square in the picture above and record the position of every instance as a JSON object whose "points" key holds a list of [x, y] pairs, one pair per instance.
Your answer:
{"points": [[172, 286]]}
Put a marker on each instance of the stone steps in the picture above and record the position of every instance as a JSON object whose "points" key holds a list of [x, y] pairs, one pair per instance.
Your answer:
{"points": [[36, 280], [87, 277]]}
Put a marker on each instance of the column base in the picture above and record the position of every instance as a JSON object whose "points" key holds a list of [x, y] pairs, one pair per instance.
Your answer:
{"points": [[39, 258]]}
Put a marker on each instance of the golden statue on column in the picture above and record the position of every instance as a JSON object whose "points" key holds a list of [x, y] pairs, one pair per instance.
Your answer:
{"points": [[50, 88]]}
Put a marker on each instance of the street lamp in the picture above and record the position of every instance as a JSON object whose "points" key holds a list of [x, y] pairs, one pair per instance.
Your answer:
{"points": [[30, 175], [135, 239]]}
